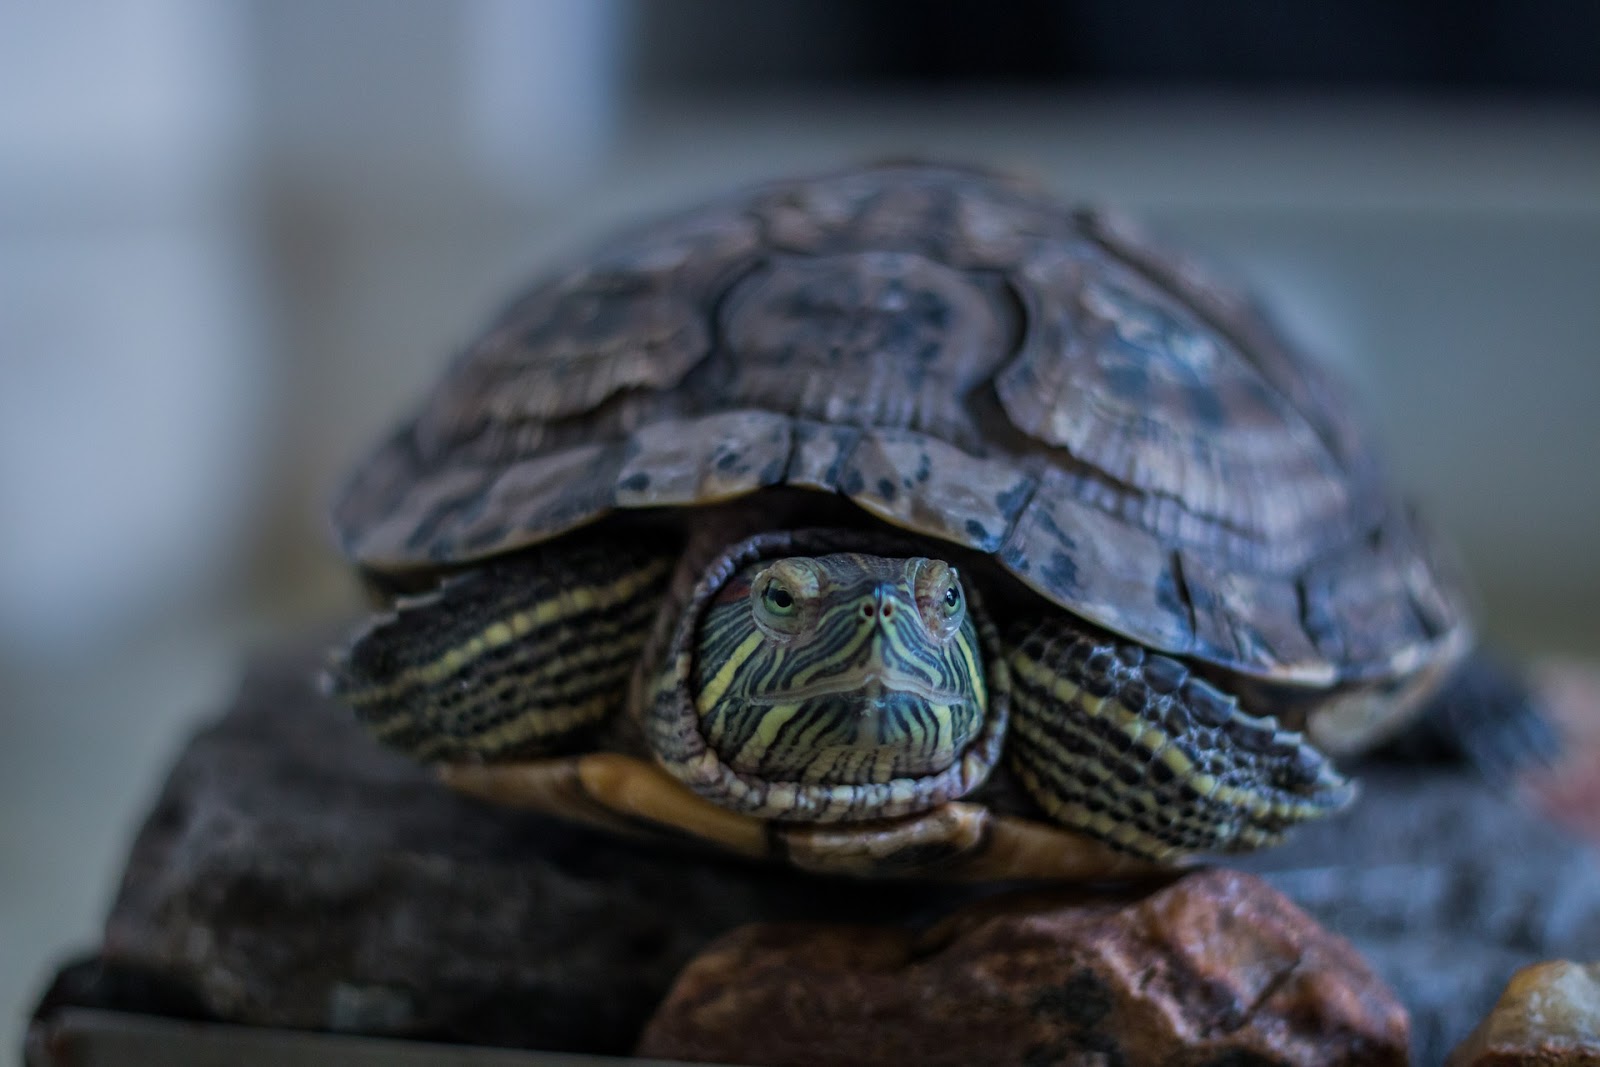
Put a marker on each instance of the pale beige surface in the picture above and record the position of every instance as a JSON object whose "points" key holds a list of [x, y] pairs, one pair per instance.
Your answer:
{"points": [[1446, 256]]}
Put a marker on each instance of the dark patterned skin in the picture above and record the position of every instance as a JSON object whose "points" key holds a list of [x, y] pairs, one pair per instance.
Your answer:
{"points": [[1141, 752], [515, 659]]}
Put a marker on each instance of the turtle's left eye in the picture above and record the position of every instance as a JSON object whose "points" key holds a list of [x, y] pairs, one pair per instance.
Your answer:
{"points": [[940, 599]]}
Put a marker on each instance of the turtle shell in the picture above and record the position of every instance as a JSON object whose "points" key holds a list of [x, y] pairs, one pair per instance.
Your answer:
{"points": [[958, 355]]}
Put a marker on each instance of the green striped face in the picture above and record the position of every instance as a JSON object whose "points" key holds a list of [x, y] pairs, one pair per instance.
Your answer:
{"points": [[839, 670]]}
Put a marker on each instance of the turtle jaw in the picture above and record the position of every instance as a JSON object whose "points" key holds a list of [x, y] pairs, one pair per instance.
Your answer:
{"points": [[871, 687], [854, 725]]}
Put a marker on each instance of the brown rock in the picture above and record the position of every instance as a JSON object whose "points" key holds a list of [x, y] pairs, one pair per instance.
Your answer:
{"points": [[1570, 791], [1549, 1016], [1217, 968], [1446, 887]]}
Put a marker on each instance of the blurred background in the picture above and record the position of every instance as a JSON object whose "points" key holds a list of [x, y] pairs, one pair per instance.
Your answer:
{"points": [[237, 239]]}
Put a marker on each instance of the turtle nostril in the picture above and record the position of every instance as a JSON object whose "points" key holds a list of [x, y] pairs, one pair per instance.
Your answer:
{"points": [[867, 611], [886, 610]]}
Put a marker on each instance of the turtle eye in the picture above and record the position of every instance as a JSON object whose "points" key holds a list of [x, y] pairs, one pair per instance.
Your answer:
{"points": [[783, 598], [939, 597], [778, 600]]}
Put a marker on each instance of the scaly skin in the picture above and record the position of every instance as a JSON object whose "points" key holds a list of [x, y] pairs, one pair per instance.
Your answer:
{"points": [[520, 657], [1131, 747], [839, 697]]}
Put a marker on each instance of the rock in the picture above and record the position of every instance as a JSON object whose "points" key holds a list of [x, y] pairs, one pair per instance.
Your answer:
{"points": [[1215, 968], [1570, 791], [1446, 887], [295, 874], [1549, 1016]]}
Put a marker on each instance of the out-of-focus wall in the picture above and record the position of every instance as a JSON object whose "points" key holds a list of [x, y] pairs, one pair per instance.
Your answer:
{"points": [[132, 362], [136, 402], [182, 185], [412, 152], [207, 214], [237, 251]]}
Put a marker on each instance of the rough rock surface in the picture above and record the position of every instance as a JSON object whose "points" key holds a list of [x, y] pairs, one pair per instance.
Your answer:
{"points": [[1446, 887], [1215, 968], [1549, 1016], [1571, 789], [295, 874]]}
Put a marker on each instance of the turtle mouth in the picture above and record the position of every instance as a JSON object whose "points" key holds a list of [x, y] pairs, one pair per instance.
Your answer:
{"points": [[870, 685]]}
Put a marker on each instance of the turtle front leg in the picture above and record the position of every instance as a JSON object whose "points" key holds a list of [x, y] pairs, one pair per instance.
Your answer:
{"points": [[1130, 747], [516, 658]]}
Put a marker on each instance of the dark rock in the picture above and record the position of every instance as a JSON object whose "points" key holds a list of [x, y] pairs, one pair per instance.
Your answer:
{"points": [[1216, 968], [294, 874], [1570, 790], [1549, 1016], [1446, 886]]}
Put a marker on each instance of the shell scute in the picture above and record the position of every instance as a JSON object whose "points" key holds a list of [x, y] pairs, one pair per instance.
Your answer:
{"points": [[632, 319], [1379, 604], [819, 454], [870, 338], [967, 219], [956, 496], [1231, 309], [1119, 577], [551, 494], [1128, 380], [710, 458], [1252, 618]]}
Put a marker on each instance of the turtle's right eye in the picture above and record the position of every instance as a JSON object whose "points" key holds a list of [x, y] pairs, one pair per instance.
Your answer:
{"points": [[778, 600], [783, 598]]}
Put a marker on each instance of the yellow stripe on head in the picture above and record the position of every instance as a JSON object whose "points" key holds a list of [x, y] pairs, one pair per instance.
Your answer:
{"points": [[842, 669]]}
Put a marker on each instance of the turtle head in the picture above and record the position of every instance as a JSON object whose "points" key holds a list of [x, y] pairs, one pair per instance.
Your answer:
{"points": [[834, 686], [840, 668]]}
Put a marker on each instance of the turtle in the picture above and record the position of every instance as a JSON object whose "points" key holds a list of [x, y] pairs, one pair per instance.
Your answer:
{"points": [[897, 521]]}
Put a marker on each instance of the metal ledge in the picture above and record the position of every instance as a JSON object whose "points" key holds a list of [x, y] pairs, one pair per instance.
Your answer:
{"points": [[86, 1037]]}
